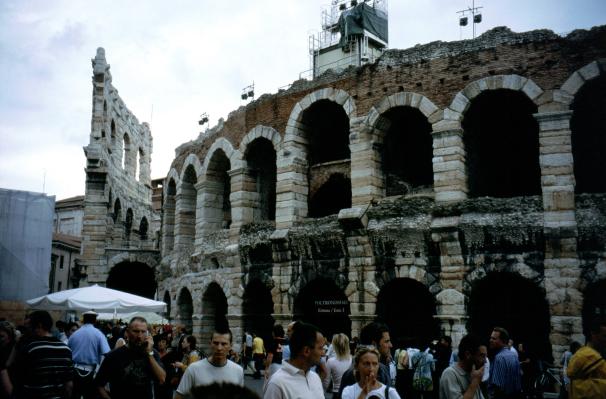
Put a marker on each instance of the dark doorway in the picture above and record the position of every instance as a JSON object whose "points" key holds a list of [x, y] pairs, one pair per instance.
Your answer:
{"points": [[167, 301], [261, 159], [515, 303], [220, 186], [588, 125], [214, 311], [133, 277], [407, 151], [502, 145], [327, 128], [594, 304], [185, 309], [324, 305], [333, 196], [257, 308], [408, 309]]}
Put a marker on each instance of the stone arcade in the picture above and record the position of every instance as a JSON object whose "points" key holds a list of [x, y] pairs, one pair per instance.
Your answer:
{"points": [[444, 188]]}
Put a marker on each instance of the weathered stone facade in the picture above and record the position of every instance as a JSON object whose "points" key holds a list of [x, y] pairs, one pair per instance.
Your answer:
{"points": [[119, 224], [444, 188]]}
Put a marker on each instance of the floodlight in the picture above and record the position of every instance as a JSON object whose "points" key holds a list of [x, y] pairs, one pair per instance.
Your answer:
{"points": [[463, 21], [477, 18], [244, 96]]}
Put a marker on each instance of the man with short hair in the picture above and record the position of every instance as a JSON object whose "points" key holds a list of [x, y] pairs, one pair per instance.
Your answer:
{"points": [[295, 379], [462, 380], [133, 369], [587, 367], [286, 347], [215, 368], [43, 365], [377, 335], [88, 346], [505, 377]]}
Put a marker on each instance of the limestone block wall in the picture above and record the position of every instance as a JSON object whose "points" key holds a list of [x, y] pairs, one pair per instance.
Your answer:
{"points": [[117, 205], [447, 240]]}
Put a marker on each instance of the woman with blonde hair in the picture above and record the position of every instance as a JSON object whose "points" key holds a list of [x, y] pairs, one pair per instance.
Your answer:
{"points": [[337, 365], [366, 367]]}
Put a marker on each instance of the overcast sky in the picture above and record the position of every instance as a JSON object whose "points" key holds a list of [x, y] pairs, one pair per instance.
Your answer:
{"points": [[182, 58]]}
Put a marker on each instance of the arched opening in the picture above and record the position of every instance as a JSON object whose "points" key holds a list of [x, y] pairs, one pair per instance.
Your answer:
{"points": [[413, 323], [588, 125], [113, 132], [257, 308], [331, 197], [324, 305], [218, 185], [126, 153], [117, 214], [169, 215], [140, 164], [143, 227], [128, 223], [261, 159], [502, 145], [327, 128], [185, 309], [133, 277], [214, 311], [407, 152], [186, 219], [515, 303], [594, 304], [168, 303]]}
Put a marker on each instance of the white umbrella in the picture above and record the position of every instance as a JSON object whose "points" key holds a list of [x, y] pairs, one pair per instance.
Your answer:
{"points": [[151, 317], [96, 298]]}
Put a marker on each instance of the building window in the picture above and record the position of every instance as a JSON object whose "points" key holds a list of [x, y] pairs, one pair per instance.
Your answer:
{"points": [[61, 262]]}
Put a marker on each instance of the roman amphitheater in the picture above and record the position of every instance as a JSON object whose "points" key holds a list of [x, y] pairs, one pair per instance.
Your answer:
{"points": [[445, 188]]}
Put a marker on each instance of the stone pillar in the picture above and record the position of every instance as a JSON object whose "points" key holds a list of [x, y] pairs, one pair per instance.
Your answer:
{"points": [[562, 271], [168, 229], [451, 314], [449, 175], [366, 166], [243, 198], [281, 274], [292, 186], [452, 266], [185, 222]]}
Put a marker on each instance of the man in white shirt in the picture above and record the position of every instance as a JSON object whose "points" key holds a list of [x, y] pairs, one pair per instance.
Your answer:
{"points": [[294, 379], [215, 368]]}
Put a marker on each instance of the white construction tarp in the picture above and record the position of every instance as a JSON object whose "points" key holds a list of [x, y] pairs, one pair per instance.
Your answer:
{"points": [[26, 234], [96, 298]]}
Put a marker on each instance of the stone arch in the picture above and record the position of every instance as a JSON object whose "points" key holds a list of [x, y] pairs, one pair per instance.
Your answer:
{"points": [[186, 203], [409, 326], [257, 308], [462, 99], [133, 273], [495, 300], [185, 308], [193, 160], [117, 210], [128, 223], [214, 310], [143, 228], [261, 131], [260, 149], [584, 94], [401, 135], [216, 209], [499, 120], [168, 210], [294, 158], [234, 156], [322, 303], [127, 163]]}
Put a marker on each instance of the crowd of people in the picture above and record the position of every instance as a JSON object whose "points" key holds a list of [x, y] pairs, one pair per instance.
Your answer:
{"points": [[136, 360]]}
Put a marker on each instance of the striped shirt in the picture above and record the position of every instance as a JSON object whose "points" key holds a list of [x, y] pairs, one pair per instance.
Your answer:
{"points": [[43, 367], [505, 372]]}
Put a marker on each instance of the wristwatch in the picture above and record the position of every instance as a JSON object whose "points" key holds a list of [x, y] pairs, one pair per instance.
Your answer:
{"points": [[151, 353]]}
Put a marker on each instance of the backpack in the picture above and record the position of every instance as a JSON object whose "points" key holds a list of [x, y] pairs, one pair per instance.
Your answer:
{"points": [[420, 382]]}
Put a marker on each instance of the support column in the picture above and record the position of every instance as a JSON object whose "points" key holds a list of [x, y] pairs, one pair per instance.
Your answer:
{"points": [[449, 175], [562, 271], [366, 165], [292, 188], [243, 198]]}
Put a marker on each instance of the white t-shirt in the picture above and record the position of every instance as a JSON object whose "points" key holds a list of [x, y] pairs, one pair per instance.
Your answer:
{"points": [[204, 373], [353, 391], [336, 368]]}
